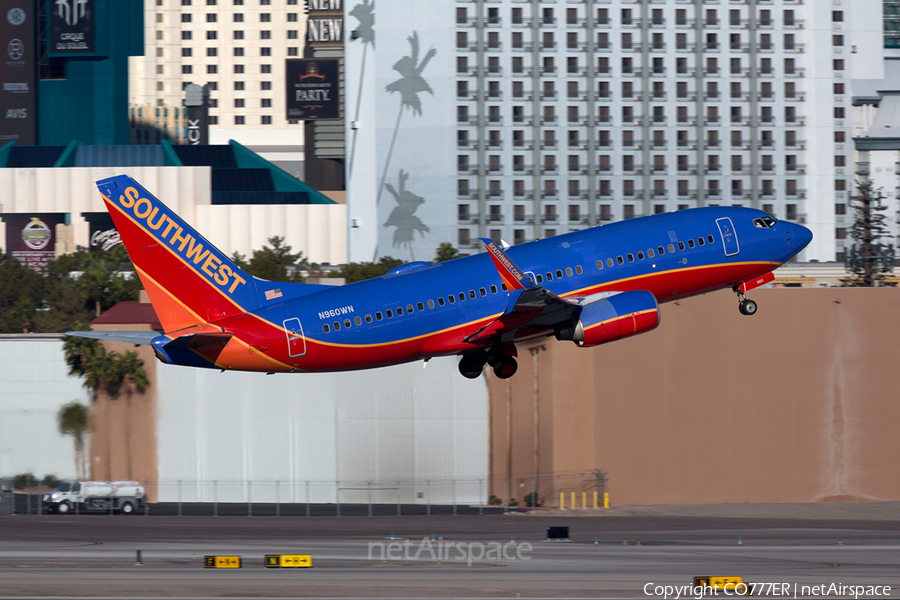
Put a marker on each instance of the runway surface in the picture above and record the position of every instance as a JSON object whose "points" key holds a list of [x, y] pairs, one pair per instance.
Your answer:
{"points": [[95, 555]]}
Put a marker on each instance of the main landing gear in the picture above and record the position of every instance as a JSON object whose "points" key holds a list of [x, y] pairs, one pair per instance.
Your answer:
{"points": [[500, 359], [746, 305]]}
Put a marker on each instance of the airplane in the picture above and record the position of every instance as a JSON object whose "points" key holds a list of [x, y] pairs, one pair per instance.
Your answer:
{"points": [[591, 287]]}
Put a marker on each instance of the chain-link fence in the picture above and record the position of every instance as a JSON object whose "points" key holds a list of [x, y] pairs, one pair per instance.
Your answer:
{"points": [[384, 496]]}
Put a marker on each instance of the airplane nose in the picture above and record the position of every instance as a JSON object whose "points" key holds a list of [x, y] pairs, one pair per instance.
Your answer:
{"points": [[802, 237]]}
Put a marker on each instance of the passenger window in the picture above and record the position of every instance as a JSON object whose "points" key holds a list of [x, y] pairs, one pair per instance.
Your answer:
{"points": [[640, 255], [358, 321], [710, 239], [650, 252], [451, 299], [559, 273], [691, 243], [399, 311], [482, 291], [540, 279], [600, 265], [503, 287], [578, 269], [390, 313], [326, 328], [368, 318], [671, 247], [661, 251], [420, 306], [431, 304], [630, 257], [549, 276], [347, 323], [472, 294], [409, 309], [568, 271], [440, 300], [493, 289], [681, 245], [609, 262], [620, 260], [378, 316], [701, 241], [462, 296], [337, 326]]}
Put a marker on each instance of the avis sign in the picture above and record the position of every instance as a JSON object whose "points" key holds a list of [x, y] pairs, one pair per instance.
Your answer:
{"points": [[312, 88]]}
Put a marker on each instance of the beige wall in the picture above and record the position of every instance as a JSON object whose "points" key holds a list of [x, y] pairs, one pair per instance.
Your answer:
{"points": [[797, 403], [123, 429]]}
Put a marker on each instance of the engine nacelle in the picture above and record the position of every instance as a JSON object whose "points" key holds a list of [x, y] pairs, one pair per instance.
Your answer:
{"points": [[614, 318]]}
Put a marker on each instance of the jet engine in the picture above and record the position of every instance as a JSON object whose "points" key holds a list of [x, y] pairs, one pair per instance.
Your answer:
{"points": [[612, 318]]}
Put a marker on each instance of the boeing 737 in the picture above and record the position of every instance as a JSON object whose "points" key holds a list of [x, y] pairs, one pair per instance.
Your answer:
{"points": [[590, 287]]}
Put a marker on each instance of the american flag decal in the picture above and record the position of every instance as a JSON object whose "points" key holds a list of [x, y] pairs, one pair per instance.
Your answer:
{"points": [[272, 294]]}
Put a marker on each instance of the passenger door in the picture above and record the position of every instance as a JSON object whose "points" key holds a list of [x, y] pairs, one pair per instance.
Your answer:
{"points": [[295, 338], [729, 237]]}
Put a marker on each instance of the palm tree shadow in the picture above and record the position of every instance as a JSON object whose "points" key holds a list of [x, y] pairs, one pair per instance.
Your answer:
{"points": [[403, 216], [364, 12], [409, 86]]}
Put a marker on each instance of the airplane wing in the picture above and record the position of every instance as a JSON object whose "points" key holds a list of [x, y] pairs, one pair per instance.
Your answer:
{"points": [[529, 305], [130, 337]]}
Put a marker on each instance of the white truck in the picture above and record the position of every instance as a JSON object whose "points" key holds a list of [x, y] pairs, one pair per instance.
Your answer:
{"points": [[96, 496]]}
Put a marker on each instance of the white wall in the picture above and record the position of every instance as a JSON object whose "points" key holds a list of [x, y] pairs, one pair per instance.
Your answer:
{"points": [[33, 386], [421, 144], [401, 423]]}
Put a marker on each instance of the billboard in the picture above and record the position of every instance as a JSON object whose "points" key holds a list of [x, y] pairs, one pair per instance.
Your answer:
{"points": [[325, 23], [18, 72], [312, 88], [71, 27], [103, 232], [31, 237]]}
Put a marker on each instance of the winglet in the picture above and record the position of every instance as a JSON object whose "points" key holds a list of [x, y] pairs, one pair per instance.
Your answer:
{"points": [[511, 274]]}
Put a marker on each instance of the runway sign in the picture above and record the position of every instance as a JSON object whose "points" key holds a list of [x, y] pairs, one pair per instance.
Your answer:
{"points": [[720, 583], [222, 562], [276, 561]]}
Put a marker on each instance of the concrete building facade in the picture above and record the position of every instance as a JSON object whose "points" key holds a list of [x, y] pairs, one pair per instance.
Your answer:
{"points": [[566, 115]]}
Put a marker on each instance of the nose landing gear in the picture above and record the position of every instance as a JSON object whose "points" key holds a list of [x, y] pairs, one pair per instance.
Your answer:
{"points": [[746, 305]]}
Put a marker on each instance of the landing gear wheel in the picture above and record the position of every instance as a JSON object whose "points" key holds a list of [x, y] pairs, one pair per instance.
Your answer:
{"points": [[63, 508], [471, 365], [127, 508], [748, 307], [506, 367]]}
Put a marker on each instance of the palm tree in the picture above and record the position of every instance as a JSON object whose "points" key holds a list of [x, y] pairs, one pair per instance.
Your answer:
{"points": [[72, 419], [402, 216], [109, 372], [409, 86], [365, 14]]}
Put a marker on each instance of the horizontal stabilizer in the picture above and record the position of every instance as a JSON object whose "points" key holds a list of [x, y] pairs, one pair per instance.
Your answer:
{"points": [[195, 340], [129, 337]]}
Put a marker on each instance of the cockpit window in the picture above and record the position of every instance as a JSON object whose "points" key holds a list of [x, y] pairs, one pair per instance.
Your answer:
{"points": [[766, 222]]}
